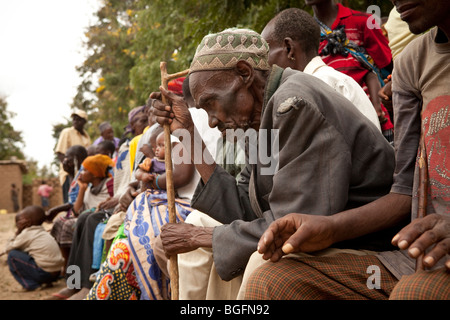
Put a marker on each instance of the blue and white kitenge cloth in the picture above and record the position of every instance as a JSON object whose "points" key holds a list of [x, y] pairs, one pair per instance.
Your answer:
{"points": [[145, 217]]}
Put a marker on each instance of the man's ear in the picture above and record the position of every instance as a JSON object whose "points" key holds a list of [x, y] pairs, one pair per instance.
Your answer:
{"points": [[289, 46], [246, 72]]}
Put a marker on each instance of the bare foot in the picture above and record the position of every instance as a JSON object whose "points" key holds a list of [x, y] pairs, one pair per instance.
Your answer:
{"points": [[63, 294], [80, 295]]}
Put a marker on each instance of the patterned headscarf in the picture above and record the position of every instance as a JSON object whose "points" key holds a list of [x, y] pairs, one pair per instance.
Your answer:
{"points": [[98, 165], [220, 51], [134, 112], [131, 115]]}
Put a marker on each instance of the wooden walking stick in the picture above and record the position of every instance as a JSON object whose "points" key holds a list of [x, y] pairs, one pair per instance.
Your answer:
{"points": [[423, 190], [165, 78]]}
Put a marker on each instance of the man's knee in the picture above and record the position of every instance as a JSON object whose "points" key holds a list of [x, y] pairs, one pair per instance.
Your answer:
{"points": [[426, 285]]}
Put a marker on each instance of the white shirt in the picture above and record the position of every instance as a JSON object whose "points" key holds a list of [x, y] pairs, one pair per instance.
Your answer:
{"points": [[209, 136], [345, 85]]}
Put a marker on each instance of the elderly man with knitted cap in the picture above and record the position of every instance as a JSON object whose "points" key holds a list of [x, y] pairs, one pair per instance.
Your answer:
{"points": [[316, 154]]}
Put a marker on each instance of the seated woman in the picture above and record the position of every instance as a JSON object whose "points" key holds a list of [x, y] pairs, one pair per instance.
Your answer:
{"points": [[130, 270], [95, 183]]}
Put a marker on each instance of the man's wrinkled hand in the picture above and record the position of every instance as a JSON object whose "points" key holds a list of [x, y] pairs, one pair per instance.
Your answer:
{"points": [[295, 233], [184, 237], [429, 233], [175, 112]]}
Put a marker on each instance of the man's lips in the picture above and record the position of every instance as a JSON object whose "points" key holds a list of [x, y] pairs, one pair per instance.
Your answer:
{"points": [[223, 129], [406, 10]]}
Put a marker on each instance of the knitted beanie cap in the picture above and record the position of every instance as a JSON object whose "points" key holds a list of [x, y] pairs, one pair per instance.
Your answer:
{"points": [[220, 51]]}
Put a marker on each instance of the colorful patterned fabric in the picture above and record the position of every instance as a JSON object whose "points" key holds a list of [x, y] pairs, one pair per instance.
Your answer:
{"points": [[423, 285], [63, 227], [145, 217], [338, 44], [223, 50], [357, 31], [352, 48], [116, 279], [343, 276]]}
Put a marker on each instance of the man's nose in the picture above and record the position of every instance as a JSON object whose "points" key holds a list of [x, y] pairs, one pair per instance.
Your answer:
{"points": [[213, 121]]}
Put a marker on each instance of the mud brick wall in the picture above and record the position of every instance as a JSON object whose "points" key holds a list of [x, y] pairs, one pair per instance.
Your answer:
{"points": [[56, 197], [10, 173]]}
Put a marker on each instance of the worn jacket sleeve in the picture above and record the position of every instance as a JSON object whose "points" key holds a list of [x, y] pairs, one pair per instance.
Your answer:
{"points": [[224, 199]]}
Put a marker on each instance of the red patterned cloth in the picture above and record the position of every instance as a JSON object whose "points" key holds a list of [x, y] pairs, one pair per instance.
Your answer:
{"points": [[357, 31], [376, 45], [117, 278]]}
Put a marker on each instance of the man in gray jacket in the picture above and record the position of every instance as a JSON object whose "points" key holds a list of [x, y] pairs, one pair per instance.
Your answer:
{"points": [[325, 155]]}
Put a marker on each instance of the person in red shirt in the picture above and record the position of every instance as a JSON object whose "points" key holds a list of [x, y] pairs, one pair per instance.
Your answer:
{"points": [[354, 44], [44, 191]]}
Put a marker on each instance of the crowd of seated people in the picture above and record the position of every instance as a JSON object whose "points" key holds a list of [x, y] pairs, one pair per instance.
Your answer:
{"points": [[350, 133]]}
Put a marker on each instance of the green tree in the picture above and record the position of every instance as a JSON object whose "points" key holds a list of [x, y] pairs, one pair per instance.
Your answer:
{"points": [[170, 31], [32, 169], [105, 91], [11, 141]]}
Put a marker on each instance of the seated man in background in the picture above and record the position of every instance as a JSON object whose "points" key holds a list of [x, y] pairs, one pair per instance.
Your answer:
{"points": [[293, 37]]}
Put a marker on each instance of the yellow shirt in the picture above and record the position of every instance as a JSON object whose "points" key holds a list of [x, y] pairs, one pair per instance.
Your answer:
{"points": [[133, 149]]}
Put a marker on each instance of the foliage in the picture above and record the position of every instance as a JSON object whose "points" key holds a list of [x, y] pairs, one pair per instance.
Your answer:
{"points": [[11, 141], [105, 91], [32, 169], [131, 37], [362, 5]]}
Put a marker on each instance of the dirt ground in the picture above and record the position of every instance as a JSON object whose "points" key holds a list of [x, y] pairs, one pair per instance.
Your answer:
{"points": [[9, 287]]}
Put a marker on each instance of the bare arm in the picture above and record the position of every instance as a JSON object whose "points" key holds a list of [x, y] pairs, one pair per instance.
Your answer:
{"points": [[306, 233], [182, 175], [127, 197], [382, 213], [51, 214], [385, 95], [80, 198], [374, 87]]}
